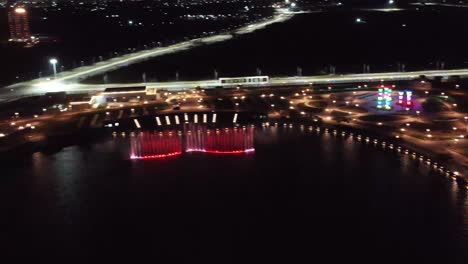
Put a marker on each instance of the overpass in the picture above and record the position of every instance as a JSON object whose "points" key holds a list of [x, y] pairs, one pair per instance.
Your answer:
{"points": [[55, 86], [440, 4], [69, 81]]}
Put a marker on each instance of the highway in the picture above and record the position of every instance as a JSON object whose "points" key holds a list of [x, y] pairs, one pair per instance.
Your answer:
{"points": [[54, 86], [69, 81], [42, 85], [440, 4]]}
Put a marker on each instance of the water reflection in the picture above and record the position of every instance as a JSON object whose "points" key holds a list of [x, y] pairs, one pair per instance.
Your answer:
{"points": [[325, 186]]}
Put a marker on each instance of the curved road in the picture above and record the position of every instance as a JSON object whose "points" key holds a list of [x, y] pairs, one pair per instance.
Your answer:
{"points": [[73, 76]]}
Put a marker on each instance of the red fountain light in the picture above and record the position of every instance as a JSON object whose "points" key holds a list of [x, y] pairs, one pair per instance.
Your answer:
{"points": [[147, 145], [221, 141], [244, 151], [160, 156]]}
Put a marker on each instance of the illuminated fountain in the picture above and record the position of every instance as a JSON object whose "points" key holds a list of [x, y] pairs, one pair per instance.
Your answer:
{"points": [[197, 138], [150, 145], [221, 141]]}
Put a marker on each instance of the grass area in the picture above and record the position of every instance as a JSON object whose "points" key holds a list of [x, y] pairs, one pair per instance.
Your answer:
{"points": [[309, 109], [434, 104], [340, 116], [380, 118], [318, 104], [354, 109], [435, 126]]}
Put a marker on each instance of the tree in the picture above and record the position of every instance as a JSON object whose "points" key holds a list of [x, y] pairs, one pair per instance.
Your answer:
{"points": [[433, 104], [339, 116]]}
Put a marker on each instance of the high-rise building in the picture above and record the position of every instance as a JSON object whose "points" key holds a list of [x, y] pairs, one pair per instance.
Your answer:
{"points": [[18, 22]]}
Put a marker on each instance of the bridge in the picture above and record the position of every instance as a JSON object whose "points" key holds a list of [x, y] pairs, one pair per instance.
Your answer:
{"points": [[69, 81], [73, 87]]}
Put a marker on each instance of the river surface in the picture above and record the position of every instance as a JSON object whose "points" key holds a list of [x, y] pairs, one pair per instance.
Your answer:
{"points": [[300, 196]]}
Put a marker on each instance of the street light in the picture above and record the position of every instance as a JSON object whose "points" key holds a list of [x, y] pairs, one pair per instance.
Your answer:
{"points": [[54, 66]]}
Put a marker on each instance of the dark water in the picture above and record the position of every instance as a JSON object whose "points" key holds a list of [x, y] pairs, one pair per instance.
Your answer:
{"points": [[299, 197], [316, 41]]}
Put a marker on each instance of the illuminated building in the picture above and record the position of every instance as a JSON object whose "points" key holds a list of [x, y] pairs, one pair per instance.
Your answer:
{"points": [[405, 98], [18, 23], [384, 98], [409, 98]]}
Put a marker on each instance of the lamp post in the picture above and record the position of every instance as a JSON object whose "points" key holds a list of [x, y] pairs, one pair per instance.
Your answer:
{"points": [[54, 66]]}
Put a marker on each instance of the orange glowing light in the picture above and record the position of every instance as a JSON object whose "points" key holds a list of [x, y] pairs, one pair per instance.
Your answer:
{"points": [[20, 10]]}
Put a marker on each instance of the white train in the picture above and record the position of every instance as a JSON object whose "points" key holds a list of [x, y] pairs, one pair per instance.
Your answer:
{"points": [[244, 80]]}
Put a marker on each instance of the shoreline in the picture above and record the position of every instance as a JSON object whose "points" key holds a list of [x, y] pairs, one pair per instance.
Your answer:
{"points": [[449, 168]]}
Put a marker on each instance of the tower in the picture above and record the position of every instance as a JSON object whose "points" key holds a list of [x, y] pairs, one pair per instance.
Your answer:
{"points": [[18, 23]]}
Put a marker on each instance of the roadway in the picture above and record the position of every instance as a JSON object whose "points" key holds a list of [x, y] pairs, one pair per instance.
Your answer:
{"points": [[440, 4], [69, 81], [73, 76], [55, 86]]}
